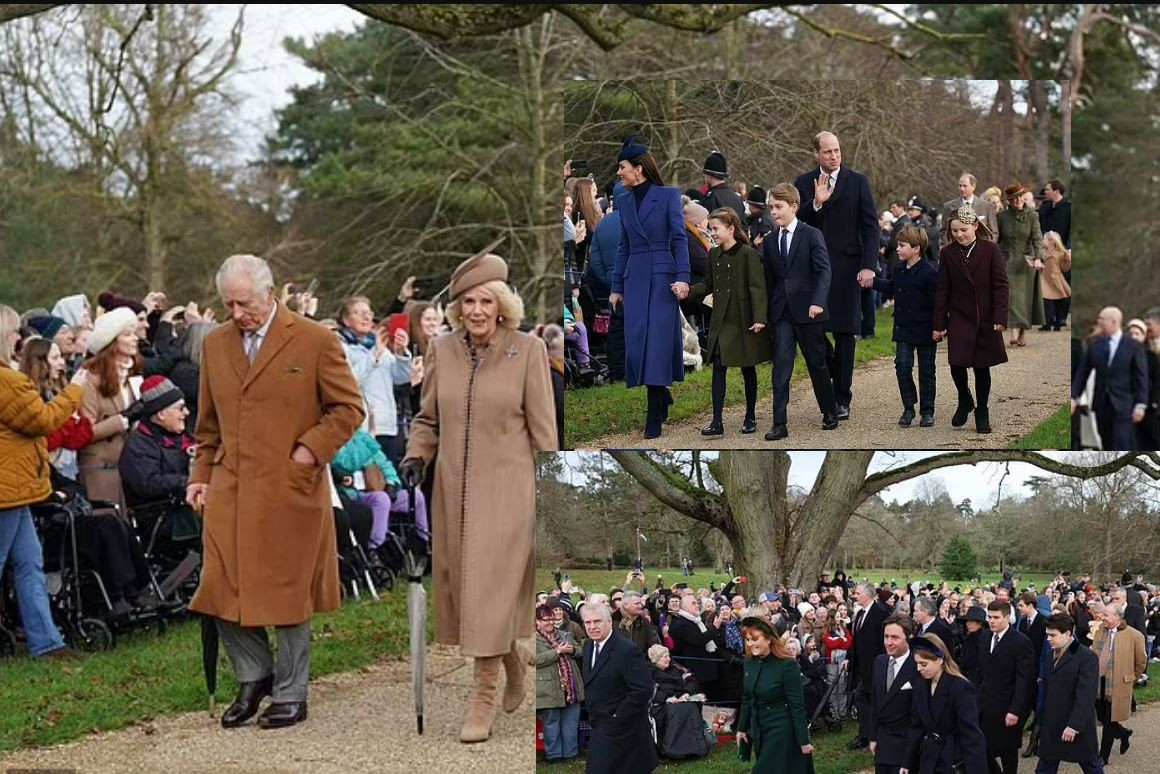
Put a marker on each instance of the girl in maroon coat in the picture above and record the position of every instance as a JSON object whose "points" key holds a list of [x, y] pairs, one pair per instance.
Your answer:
{"points": [[970, 311]]}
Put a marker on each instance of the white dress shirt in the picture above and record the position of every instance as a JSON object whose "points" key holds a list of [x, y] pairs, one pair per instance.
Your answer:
{"points": [[253, 341]]}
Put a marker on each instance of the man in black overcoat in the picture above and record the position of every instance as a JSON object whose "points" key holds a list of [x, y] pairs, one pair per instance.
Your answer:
{"points": [[694, 649], [1006, 688], [837, 201], [1071, 682], [618, 688], [927, 621], [890, 705], [720, 194], [869, 624]]}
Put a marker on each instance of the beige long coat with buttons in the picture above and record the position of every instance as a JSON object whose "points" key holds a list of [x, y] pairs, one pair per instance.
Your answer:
{"points": [[270, 553], [482, 425]]}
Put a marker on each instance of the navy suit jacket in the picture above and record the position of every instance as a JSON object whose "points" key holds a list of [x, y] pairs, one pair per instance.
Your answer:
{"points": [[1124, 383], [801, 281], [617, 694], [890, 711]]}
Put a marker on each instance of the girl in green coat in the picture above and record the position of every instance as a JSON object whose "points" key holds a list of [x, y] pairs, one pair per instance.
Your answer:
{"points": [[773, 721], [737, 335], [1020, 239]]}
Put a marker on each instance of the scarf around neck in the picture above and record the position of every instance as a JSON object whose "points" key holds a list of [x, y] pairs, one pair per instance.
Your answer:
{"points": [[350, 337], [567, 670], [710, 647]]}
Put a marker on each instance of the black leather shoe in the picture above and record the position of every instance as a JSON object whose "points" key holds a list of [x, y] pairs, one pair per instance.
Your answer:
{"points": [[966, 406], [250, 695], [843, 411], [830, 421], [750, 426], [714, 429], [777, 433], [982, 421], [858, 743], [283, 715], [906, 418], [1125, 740], [927, 420]]}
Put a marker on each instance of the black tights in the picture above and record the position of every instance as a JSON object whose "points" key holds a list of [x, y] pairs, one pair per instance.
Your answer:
{"points": [[749, 374], [982, 384]]}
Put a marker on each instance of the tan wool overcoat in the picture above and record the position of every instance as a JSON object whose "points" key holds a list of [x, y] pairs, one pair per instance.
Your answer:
{"points": [[270, 555], [1130, 662], [483, 425]]}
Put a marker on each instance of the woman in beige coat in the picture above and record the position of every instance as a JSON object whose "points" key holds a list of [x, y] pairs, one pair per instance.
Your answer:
{"points": [[487, 408], [108, 392]]}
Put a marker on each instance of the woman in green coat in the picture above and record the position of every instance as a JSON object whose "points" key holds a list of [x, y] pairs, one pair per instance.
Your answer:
{"points": [[1020, 238], [737, 335], [773, 721], [559, 686]]}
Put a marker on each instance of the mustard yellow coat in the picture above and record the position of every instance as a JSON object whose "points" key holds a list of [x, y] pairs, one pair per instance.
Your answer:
{"points": [[270, 556], [483, 426], [25, 421]]}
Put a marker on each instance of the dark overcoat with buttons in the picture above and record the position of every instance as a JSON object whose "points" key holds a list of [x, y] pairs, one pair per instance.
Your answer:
{"points": [[913, 293], [269, 557], [737, 282], [970, 299]]}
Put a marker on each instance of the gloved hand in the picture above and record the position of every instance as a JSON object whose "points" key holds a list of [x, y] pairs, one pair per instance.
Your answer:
{"points": [[411, 472]]}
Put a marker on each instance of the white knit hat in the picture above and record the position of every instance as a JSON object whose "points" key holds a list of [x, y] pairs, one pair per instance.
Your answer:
{"points": [[109, 326]]}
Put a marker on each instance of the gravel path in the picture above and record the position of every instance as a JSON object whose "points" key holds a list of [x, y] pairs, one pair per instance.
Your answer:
{"points": [[1025, 391], [359, 722]]}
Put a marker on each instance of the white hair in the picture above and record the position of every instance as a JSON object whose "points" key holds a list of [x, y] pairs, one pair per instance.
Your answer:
{"points": [[250, 266], [603, 610], [1115, 608]]}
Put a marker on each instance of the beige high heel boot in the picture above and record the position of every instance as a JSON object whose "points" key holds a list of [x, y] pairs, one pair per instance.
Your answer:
{"points": [[516, 665], [481, 710]]}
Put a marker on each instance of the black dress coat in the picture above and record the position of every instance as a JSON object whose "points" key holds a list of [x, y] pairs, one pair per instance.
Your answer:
{"points": [[969, 300], [849, 224], [1071, 686], [890, 711], [942, 630], [722, 195], [913, 293], [867, 644], [617, 694], [1037, 633], [951, 714], [1007, 684], [760, 224], [689, 643]]}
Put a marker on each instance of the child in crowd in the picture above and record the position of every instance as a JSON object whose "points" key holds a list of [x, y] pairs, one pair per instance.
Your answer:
{"points": [[912, 288], [737, 334], [970, 311]]}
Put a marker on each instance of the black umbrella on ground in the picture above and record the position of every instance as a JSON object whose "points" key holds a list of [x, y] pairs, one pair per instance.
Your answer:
{"points": [[209, 656]]}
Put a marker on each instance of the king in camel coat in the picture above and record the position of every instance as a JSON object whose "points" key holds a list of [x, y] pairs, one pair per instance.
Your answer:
{"points": [[270, 555]]}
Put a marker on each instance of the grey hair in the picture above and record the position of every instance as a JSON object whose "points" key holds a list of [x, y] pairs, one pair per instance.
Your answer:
{"points": [[193, 340], [1115, 608], [604, 610], [926, 604], [972, 178], [250, 266], [866, 587], [1153, 313], [629, 595]]}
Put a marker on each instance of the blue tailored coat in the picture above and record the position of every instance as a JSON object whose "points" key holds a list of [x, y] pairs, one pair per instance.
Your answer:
{"points": [[653, 254]]}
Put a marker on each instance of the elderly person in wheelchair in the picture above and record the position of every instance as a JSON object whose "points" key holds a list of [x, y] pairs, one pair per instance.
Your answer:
{"points": [[154, 469]]}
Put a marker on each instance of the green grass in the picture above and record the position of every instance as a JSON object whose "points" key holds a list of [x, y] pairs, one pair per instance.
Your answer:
{"points": [[830, 753], [612, 409], [602, 580], [1053, 433], [145, 675]]}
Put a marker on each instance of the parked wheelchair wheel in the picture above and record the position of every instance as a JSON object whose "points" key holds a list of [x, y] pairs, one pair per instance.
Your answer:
{"points": [[92, 636], [7, 643]]}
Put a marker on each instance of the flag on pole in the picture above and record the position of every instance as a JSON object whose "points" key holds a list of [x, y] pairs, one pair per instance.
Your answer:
{"points": [[640, 535]]}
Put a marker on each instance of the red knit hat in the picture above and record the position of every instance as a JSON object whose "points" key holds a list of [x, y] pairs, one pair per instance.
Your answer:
{"points": [[158, 394]]}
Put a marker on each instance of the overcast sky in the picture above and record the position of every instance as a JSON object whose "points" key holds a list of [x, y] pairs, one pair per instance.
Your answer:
{"points": [[977, 482], [265, 70]]}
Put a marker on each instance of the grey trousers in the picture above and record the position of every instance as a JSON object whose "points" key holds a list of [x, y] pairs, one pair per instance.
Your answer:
{"points": [[249, 650]]}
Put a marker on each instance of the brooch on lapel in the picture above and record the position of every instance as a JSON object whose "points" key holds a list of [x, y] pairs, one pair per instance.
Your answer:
{"points": [[512, 352]]}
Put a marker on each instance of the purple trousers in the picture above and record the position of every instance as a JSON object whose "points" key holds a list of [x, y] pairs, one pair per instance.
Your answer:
{"points": [[579, 341], [382, 506]]}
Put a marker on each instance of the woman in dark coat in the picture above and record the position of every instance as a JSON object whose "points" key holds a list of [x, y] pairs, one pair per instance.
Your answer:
{"points": [[970, 311], [737, 335], [944, 718], [651, 277], [773, 723]]}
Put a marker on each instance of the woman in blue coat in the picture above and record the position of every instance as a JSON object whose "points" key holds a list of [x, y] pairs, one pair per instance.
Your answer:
{"points": [[651, 277]]}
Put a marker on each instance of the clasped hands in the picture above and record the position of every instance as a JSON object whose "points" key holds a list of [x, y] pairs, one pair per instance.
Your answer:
{"points": [[680, 290]]}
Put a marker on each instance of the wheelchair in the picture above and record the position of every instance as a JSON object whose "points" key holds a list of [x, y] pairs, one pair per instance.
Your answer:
{"points": [[170, 536]]}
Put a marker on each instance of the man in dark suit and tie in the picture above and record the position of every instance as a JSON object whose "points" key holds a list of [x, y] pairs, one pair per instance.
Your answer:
{"points": [[837, 200], [1121, 393], [868, 630], [895, 679], [1006, 688], [618, 687], [926, 621], [797, 277]]}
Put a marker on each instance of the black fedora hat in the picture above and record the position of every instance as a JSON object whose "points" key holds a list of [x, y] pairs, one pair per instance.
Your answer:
{"points": [[975, 613]]}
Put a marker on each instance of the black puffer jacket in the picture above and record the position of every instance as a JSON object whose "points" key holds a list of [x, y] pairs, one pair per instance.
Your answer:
{"points": [[154, 464]]}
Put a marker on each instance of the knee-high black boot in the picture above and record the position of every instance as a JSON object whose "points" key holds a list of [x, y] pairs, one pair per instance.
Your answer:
{"points": [[657, 399]]}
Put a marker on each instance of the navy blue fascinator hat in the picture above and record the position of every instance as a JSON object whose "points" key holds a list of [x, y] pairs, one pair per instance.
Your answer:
{"points": [[631, 149]]}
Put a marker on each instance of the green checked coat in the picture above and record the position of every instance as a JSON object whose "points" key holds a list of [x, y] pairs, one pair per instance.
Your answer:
{"points": [[737, 282], [1019, 235]]}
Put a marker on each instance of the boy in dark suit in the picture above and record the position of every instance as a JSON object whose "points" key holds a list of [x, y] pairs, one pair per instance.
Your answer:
{"points": [[797, 277], [912, 288]]}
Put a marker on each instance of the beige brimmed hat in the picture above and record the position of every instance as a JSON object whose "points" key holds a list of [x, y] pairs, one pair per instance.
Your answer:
{"points": [[482, 267]]}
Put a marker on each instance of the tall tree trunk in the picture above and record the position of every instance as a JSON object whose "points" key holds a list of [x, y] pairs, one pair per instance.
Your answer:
{"points": [[1065, 102], [541, 116], [1006, 99], [1037, 91]]}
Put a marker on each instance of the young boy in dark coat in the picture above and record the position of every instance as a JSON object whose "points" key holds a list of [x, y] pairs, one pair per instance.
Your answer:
{"points": [[912, 288]]}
